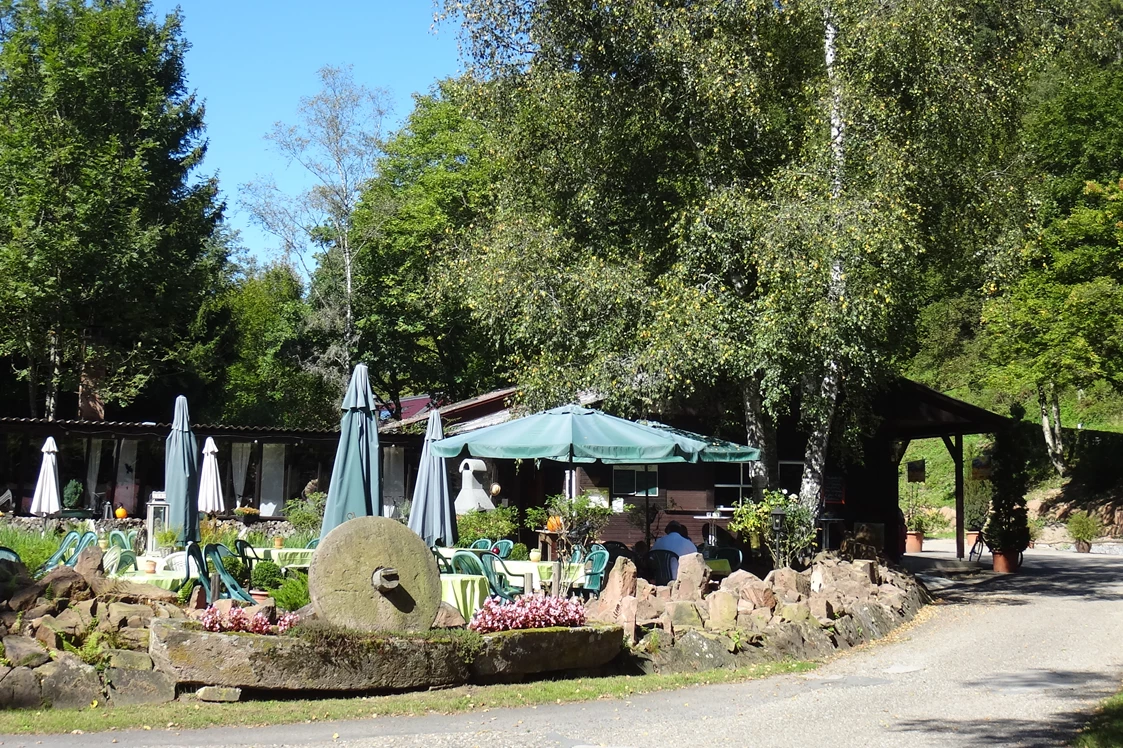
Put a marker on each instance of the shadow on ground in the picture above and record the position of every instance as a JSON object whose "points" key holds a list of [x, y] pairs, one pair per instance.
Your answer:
{"points": [[1021, 732], [1077, 576]]}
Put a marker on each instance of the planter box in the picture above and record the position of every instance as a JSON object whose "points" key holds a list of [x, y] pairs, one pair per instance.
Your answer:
{"points": [[394, 663]]}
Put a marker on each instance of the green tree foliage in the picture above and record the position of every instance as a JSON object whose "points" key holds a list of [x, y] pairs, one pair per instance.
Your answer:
{"points": [[266, 382], [433, 183], [736, 194], [104, 252]]}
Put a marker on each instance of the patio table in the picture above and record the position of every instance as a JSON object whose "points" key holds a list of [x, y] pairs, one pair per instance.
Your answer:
{"points": [[284, 557], [719, 566], [168, 580], [465, 592]]}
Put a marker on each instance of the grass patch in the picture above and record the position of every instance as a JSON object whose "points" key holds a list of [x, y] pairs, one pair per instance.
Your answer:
{"points": [[1106, 728], [189, 714]]}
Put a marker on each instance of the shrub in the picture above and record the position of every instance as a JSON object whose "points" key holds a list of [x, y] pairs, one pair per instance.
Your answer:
{"points": [[498, 523], [583, 518], [266, 575], [799, 528], [976, 503], [166, 538], [527, 612], [185, 589], [301, 538], [258, 539], [519, 552], [293, 592], [72, 494], [308, 513], [234, 567], [33, 548], [1007, 528], [1084, 527], [210, 533]]}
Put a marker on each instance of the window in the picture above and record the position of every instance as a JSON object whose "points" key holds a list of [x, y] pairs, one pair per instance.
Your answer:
{"points": [[635, 480], [733, 483]]}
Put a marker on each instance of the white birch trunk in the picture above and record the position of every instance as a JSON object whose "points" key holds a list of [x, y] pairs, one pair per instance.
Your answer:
{"points": [[1050, 407], [53, 363], [760, 432], [818, 439]]}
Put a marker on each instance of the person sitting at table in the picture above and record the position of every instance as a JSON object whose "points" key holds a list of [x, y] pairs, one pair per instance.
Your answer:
{"points": [[676, 540]]}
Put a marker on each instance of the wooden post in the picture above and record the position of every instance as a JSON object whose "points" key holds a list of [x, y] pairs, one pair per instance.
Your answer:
{"points": [[216, 587], [956, 450], [557, 578]]}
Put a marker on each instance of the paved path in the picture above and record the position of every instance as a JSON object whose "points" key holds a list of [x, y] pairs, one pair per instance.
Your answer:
{"points": [[1004, 661]]}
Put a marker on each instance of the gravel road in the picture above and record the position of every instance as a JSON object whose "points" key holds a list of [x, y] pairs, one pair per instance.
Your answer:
{"points": [[1010, 661]]}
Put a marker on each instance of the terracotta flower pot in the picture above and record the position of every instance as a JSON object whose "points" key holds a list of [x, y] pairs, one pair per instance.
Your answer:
{"points": [[1005, 562], [970, 538], [1083, 546], [278, 542], [149, 567], [259, 596], [914, 542]]}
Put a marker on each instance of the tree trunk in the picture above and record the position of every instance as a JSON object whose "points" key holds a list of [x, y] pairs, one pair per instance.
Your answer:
{"points": [[825, 401], [760, 432], [51, 406], [1050, 407]]}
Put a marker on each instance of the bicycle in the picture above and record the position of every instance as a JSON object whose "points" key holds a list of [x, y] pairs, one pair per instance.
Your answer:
{"points": [[981, 546]]}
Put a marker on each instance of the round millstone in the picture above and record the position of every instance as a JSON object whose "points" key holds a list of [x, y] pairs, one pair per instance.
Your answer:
{"points": [[340, 580]]}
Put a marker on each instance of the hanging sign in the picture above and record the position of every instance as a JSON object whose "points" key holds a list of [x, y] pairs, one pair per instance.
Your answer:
{"points": [[916, 471]]}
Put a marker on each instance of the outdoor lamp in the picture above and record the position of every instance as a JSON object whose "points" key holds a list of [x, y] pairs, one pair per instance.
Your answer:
{"points": [[778, 517], [495, 489]]}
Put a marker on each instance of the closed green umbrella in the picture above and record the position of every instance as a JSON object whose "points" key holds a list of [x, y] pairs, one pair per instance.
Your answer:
{"points": [[575, 434], [181, 475], [355, 489]]}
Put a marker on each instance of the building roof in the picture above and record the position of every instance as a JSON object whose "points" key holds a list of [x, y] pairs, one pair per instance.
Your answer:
{"points": [[455, 415], [910, 410], [152, 430]]}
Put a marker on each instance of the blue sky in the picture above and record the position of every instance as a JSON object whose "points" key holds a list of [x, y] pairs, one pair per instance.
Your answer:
{"points": [[252, 60]]}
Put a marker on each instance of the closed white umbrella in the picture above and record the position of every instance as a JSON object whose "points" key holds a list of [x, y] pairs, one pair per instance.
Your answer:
{"points": [[210, 488], [46, 498]]}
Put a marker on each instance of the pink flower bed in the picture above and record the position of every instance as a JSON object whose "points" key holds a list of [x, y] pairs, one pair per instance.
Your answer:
{"points": [[527, 612], [238, 620]]}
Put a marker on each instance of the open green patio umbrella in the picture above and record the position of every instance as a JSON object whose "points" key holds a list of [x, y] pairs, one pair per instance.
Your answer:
{"points": [[575, 434], [355, 489], [181, 475]]}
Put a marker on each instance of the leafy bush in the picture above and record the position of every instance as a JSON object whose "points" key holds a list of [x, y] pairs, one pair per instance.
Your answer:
{"points": [[976, 503], [166, 538], [1007, 528], [798, 533], [72, 494], [266, 575], [234, 567], [33, 547], [293, 592], [211, 533], [1084, 527], [307, 514], [519, 552], [527, 612], [258, 539], [185, 589], [499, 523]]}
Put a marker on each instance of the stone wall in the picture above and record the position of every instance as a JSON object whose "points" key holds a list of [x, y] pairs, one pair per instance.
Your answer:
{"points": [[695, 624]]}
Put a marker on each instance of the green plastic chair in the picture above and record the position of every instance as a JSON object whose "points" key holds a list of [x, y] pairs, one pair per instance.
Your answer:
{"points": [[659, 561], [595, 563], [483, 544], [90, 538], [63, 553], [8, 554], [442, 563], [195, 558], [730, 554], [246, 553], [597, 547], [463, 562], [313, 543], [496, 572], [214, 554], [503, 548], [117, 539], [128, 559], [131, 537], [578, 555]]}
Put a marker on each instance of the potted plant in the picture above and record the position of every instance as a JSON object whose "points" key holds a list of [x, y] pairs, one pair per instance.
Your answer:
{"points": [[247, 514], [1083, 528], [265, 577], [918, 519], [72, 499], [1007, 529], [165, 541]]}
